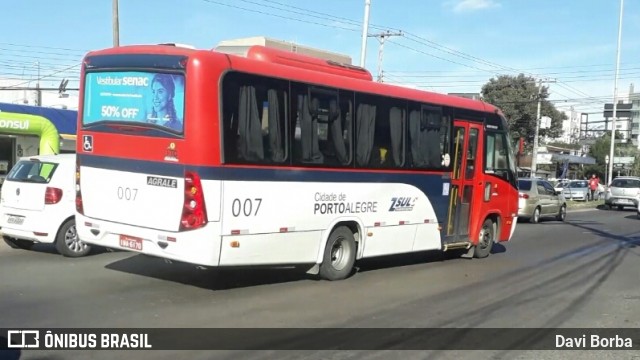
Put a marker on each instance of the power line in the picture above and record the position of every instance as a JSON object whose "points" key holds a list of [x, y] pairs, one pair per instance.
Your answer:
{"points": [[43, 47], [279, 16], [40, 77], [381, 38], [350, 22]]}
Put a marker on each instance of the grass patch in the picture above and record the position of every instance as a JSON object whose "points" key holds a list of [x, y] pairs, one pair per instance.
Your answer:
{"points": [[571, 204]]}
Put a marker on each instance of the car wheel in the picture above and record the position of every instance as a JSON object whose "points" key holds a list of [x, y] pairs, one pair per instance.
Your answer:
{"points": [[486, 238], [67, 241], [339, 254], [18, 243], [562, 214], [535, 218]]}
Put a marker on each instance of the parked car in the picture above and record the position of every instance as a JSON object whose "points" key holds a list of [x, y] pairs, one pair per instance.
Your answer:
{"points": [[539, 199], [578, 190], [560, 184], [623, 191], [37, 204]]}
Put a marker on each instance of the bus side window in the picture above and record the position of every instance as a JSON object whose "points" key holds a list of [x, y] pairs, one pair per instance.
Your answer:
{"points": [[428, 136], [390, 136], [322, 127], [254, 127]]}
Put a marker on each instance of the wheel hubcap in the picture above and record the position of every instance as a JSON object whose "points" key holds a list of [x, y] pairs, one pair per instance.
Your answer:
{"points": [[71, 240], [338, 255], [485, 237]]}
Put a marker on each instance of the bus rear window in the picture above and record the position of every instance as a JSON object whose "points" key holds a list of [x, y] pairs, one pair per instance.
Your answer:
{"points": [[32, 171], [134, 97]]}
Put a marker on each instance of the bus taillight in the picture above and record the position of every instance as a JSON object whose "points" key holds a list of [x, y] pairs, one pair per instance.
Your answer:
{"points": [[194, 213], [79, 207]]}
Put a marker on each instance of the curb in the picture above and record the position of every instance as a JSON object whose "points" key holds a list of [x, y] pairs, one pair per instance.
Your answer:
{"points": [[581, 210]]}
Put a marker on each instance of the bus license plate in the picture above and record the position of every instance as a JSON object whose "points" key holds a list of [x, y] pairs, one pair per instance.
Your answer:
{"points": [[131, 242], [16, 220]]}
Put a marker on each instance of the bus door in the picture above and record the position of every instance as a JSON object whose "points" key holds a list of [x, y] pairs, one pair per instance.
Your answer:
{"points": [[466, 160]]}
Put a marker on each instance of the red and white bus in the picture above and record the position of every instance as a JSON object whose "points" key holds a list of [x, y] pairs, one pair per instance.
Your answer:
{"points": [[276, 158]]}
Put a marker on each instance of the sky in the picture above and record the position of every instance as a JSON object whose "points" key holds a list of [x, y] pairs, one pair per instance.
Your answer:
{"points": [[447, 45]]}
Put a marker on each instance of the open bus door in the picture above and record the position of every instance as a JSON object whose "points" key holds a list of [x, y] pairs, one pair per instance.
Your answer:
{"points": [[464, 189]]}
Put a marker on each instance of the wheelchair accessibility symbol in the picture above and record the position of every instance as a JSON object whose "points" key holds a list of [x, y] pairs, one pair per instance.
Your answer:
{"points": [[87, 143]]}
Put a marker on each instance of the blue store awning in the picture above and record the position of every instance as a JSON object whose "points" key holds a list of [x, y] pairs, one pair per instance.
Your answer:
{"points": [[573, 159]]}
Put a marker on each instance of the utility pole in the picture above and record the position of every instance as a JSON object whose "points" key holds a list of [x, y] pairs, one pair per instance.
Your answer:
{"points": [[615, 98], [365, 31], [534, 159], [116, 25], [381, 37], [38, 92]]}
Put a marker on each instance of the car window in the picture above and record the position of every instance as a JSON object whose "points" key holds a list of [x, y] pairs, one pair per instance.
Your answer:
{"points": [[540, 187], [524, 185], [549, 187], [32, 171], [626, 183], [578, 184]]}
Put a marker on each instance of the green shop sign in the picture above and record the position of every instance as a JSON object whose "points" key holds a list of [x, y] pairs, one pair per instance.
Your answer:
{"points": [[23, 124]]}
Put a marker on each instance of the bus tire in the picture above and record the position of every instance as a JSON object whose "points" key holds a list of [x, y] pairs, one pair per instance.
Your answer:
{"points": [[67, 242], [339, 255], [486, 238]]}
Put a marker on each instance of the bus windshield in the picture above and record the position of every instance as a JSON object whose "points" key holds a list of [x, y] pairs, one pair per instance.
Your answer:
{"points": [[134, 98]]}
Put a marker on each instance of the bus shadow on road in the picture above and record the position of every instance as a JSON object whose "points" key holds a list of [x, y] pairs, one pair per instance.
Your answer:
{"points": [[418, 258], [207, 278], [234, 278]]}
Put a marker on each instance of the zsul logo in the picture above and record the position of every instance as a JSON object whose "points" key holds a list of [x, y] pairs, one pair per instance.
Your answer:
{"points": [[402, 203]]}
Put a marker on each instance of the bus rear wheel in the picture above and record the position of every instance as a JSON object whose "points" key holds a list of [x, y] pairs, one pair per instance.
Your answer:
{"points": [[339, 254]]}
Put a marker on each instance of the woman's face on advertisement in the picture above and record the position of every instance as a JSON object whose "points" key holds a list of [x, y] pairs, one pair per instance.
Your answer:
{"points": [[160, 96]]}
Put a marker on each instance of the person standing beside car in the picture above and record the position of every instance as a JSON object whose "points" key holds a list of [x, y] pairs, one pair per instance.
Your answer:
{"points": [[593, 186]]}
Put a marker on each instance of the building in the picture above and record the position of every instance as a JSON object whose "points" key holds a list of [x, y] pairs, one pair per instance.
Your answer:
{"points": [[570, 127], [241, 46], [627, 117], [634, 99], [623, 119]]}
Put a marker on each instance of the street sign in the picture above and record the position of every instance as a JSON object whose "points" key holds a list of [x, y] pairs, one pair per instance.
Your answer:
{"points": [[624, 160]]}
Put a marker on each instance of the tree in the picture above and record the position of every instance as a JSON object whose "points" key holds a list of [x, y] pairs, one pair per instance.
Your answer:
{"points": [[601, 148], [517, 97]]}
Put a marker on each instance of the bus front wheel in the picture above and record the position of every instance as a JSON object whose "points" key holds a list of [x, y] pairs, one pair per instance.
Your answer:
{"points": [[339, 254], [486, 239]]}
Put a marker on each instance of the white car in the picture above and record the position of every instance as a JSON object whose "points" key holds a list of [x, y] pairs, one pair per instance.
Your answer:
{"points": [[37, 204]]}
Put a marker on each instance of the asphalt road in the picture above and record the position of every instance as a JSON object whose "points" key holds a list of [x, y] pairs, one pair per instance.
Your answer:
{"points": [[582, 273]]}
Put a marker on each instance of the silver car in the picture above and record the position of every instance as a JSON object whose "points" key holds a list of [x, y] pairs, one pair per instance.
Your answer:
{"points": [[623, 191], [539, 199], [577, 190]]}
